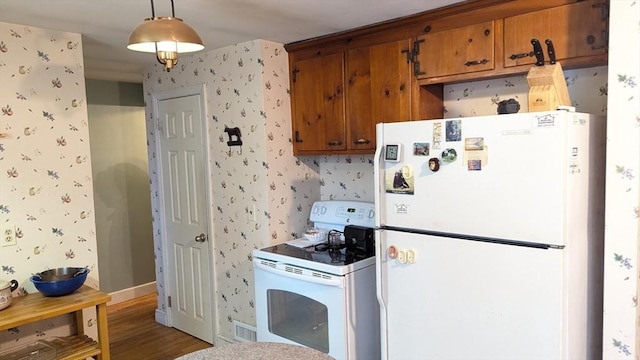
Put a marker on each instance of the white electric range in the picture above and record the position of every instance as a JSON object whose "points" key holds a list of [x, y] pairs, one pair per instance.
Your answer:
{"points": [[317, 297]]}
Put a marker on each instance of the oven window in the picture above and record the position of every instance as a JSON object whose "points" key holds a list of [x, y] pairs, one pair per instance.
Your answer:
{"points": [[298, 318]]}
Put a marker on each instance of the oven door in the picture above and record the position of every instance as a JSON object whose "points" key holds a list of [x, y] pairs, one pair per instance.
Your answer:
{"points": [[300, 306]]}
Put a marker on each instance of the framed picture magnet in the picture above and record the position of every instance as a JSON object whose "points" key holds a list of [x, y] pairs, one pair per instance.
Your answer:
{"points": [[421, 149], [399, 180]]}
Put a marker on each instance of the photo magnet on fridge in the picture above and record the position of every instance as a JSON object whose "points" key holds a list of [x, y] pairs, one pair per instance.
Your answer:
{"points": [[475, 165], [453, 130], [437, 135], [474, 143], [421, 149], [399, 181]]}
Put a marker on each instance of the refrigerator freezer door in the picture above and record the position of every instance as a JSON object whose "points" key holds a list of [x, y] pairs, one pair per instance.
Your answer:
{"points": [[462, 299], [507, 176]]}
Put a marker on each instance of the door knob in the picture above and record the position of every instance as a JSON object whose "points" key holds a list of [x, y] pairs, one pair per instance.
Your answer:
{"points": [[201, 238]]}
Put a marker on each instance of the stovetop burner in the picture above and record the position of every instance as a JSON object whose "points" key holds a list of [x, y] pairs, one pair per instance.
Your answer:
{"points": [[321, 253]]}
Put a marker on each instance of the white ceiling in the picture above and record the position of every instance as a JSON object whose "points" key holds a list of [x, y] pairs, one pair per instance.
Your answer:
{"points": [[105, 25]]}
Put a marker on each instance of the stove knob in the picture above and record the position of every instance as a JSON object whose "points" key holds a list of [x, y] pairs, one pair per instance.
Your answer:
{"points": [[323, 210], [371, 214]]}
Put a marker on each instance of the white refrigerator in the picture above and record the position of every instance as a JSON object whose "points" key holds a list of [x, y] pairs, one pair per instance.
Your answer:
{"points": [[489, 237]]}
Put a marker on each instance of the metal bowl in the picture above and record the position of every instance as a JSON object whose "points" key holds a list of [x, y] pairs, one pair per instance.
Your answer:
{"points": [[62, 273], [60, 281]]}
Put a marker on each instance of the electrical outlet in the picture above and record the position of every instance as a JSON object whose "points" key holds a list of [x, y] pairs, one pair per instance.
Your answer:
{"points": [[8, 235]]}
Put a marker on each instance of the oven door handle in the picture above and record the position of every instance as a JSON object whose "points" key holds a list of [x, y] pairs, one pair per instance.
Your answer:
{"points": [[329, 282]]}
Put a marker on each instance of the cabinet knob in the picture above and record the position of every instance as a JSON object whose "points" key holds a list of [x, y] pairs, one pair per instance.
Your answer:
{"points": [[361, 142], [334, 143]]}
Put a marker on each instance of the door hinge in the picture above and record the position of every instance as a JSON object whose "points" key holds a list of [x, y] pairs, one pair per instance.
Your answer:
{"points": [[294, 74], [169, 301], [604, 10], [413, 57]]}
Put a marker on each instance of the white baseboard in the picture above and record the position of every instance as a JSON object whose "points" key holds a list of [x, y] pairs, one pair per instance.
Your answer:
{"points": [[161, 318], [132, 292], [221, 340]]}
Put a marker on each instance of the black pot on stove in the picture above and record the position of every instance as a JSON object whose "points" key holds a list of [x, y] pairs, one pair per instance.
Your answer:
{"points": [[359, 240]]}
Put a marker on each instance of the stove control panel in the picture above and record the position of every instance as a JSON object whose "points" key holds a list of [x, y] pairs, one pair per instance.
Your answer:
{"points": [[337, 213]]}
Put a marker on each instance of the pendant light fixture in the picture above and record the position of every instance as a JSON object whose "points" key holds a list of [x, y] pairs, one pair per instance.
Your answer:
{"points": [[165, 36]]}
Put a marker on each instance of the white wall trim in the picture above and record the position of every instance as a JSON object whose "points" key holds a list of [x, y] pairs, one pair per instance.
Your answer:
{"points": [[132, 292], [161, 318]]}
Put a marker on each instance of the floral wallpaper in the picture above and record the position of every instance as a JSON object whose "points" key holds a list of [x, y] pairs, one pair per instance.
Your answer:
{"points": [[46, 186], [46, 189], [622, 222], [247, 86]]}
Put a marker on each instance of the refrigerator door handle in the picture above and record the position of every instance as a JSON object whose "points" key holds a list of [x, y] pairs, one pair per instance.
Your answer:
{"points": [[380, 278], [378, 178]]}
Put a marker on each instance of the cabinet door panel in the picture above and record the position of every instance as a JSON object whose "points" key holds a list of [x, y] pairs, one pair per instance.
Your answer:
{"points": [[318, 103], [378, 90], [578, 29], [461, 50]]}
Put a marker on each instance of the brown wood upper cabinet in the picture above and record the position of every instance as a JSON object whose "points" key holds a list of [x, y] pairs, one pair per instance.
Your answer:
{"points": [[345, 83], [377, 88], [576, 30], [317, 102], [462, 50]]}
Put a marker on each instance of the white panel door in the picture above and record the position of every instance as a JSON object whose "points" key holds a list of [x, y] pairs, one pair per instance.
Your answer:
{"points": [[185, 215], [445, 298]]}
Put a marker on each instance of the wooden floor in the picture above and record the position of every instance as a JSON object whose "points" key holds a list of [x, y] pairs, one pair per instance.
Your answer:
{"points": [[135, 335]]}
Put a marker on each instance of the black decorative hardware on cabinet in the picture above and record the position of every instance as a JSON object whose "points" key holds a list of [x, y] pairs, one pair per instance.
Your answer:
{"points": [[416, 63], [237, 141], [412, 56], [294, 74], [604, 10], [604, 34], [604, 40], [521, 55], [361, 142], [476, 62], [409, 53], [334, 143], [297, 137]]}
